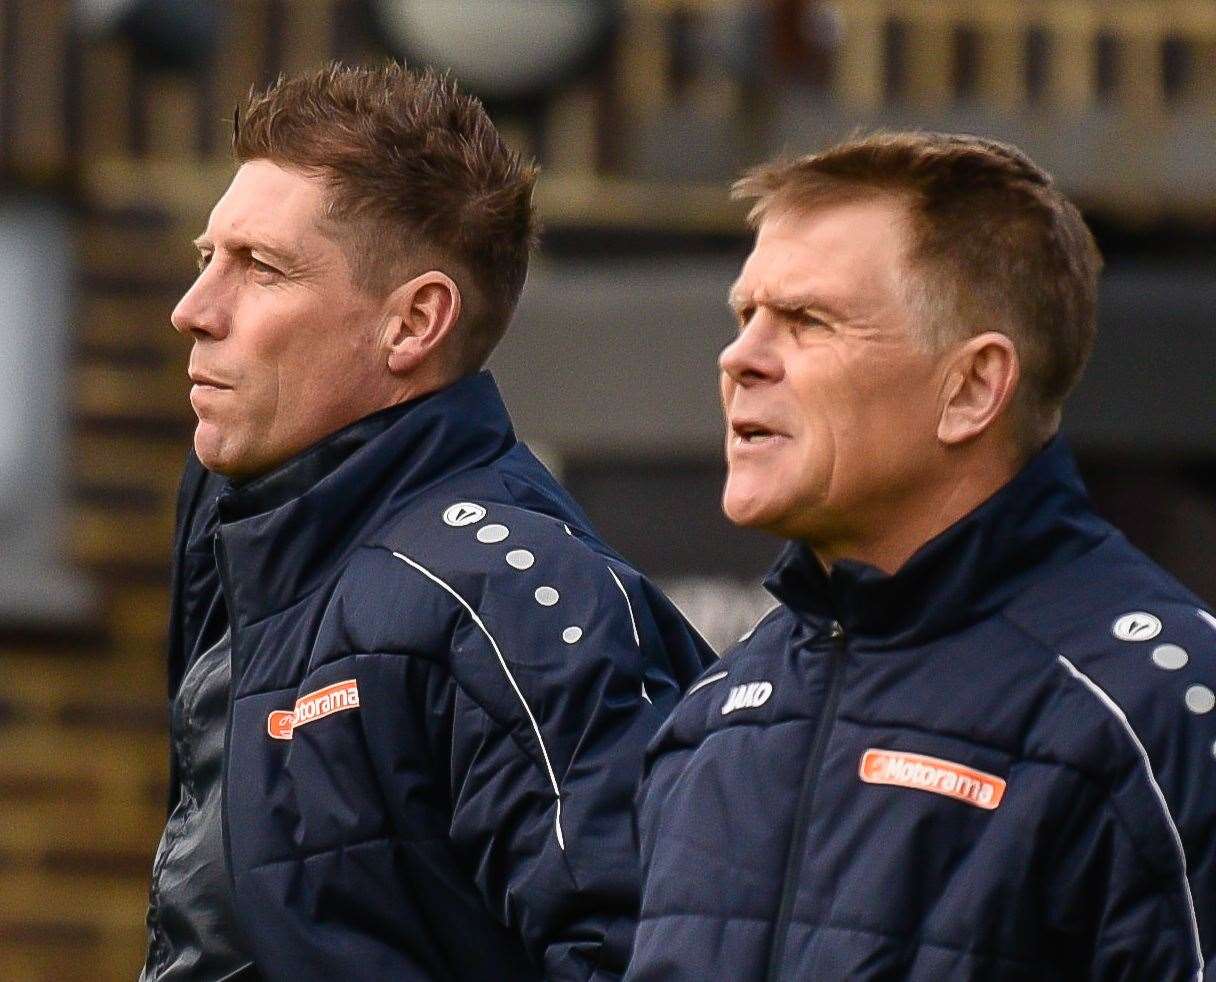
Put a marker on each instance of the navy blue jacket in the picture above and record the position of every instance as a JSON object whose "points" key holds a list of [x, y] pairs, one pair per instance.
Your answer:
{"points": [[998, 763], [443, 685]]}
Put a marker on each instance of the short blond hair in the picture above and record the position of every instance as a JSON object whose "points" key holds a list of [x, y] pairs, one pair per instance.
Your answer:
{"points": [[994, 246]]}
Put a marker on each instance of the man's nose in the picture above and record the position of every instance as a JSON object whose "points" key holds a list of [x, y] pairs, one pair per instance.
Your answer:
{"points": [[752, 357], [202, 309]]}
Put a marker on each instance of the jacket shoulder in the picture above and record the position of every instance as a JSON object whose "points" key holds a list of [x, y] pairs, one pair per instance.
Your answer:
{"points": [[1145, 649], [1142, 637], [486, 548], [527, 583], [756, 655]]}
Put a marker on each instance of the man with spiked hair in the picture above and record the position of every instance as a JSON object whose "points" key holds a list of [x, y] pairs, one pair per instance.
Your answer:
{"points": [[410, 686]]}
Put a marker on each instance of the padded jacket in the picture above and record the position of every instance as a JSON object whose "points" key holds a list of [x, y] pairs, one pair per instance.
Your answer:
{"points": [[997, 764], [442, 687]]}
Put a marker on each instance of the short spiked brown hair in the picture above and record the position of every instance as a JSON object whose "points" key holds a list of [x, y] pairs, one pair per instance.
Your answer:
{"points": [[416, 173], [994, 246]]}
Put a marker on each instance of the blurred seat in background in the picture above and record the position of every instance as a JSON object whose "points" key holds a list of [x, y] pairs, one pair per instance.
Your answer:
{"points": [[39, 589]]}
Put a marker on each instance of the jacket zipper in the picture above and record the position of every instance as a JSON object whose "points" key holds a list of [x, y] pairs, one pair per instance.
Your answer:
{"points": [[806, 799], [221, 562]]}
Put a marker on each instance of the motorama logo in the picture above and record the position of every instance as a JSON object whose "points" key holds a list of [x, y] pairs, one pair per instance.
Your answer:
{"points": [[933, 774], [281, 723]]}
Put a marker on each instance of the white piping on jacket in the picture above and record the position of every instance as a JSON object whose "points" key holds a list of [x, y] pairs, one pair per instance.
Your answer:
{"points": [[759, 620], [633, 623], [557, 821], [1118, 713], [1208, 618], [706, 681]]}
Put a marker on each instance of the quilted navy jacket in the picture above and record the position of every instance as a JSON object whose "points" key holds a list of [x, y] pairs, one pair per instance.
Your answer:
{"points": [[443, 685], [997, 764]]}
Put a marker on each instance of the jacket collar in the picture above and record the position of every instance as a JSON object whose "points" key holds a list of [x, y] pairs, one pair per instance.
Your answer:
{"points": [[283, 532], [1039, 520]]}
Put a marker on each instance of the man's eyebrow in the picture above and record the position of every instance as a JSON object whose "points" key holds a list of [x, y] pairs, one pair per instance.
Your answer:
{"points": [[794, 302], [271, 251]]}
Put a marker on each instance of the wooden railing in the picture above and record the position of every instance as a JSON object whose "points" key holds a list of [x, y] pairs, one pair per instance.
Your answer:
{"points": [[1153, 56], [68, 106], [1135, 56]]}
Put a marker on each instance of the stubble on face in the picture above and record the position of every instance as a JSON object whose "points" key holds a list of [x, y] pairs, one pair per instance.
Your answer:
{"points": [[278, 320]]}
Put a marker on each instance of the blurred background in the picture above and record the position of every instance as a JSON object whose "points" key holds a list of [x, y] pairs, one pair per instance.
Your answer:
{"points": [[115, 118]]}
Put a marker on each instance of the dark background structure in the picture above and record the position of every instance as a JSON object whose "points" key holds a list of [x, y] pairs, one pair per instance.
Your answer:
{"points": [[115, 119]]}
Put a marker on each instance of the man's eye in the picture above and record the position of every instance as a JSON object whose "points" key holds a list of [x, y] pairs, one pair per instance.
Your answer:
{"points": [[261, 267], [204, 259]]}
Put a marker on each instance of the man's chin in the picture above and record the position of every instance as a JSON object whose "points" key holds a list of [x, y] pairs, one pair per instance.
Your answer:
{"points": [[215, 452], [751, 510]]}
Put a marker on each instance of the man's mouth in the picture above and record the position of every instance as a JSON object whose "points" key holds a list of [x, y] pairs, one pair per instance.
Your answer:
{"points": [[748, 433], [206, 381]]}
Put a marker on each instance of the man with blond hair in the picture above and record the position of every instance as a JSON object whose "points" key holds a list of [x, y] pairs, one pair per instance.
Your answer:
{"points": [[411, 687], [975, 739]]}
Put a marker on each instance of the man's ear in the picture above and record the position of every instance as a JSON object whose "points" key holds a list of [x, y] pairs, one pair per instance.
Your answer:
{"points": [[422, 314], [981, 379]]}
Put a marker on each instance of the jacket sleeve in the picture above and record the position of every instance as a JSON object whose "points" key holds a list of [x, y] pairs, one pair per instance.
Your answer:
{"points": [[1164, 794], [563, 672], [1120, 899]]}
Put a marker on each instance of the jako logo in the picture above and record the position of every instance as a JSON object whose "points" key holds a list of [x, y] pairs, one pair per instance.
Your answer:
{"points": [[942, 777], [747, 696], [316, 705]]}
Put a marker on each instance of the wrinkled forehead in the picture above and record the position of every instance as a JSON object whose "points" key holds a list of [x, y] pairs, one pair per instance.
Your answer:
{"points": [[265, 200], [834, 250]]}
